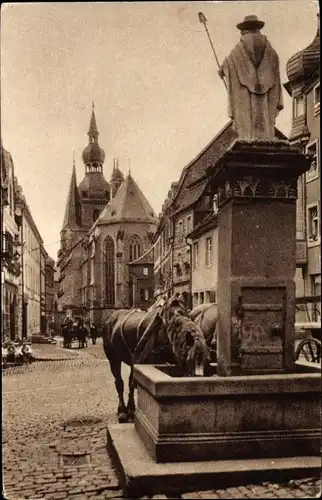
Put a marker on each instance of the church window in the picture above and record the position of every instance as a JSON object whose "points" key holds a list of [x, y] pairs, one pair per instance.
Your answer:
{"points": [[95, 214], [135, 248], [109, 271]]}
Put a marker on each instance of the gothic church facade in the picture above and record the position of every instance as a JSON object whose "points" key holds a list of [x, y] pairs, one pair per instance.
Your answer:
{"points": [[106, 226]]}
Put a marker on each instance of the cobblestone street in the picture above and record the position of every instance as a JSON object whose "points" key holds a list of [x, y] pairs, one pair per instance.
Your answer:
{"points": [[54, 439]]}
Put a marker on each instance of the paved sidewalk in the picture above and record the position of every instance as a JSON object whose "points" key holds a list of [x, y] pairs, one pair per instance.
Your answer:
{"points": [[49, 352]]}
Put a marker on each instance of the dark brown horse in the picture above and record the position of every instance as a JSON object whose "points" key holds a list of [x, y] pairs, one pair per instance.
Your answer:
{"points": [[163, 334]]}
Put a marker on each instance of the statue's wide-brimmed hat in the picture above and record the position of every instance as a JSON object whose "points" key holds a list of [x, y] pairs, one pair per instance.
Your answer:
{"points": [[250, 22]]}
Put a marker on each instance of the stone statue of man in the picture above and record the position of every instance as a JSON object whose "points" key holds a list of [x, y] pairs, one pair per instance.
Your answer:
{"points": [[254, 84]]}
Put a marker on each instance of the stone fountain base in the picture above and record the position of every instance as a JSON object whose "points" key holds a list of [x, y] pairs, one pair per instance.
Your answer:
{"points": [[215, 427]]}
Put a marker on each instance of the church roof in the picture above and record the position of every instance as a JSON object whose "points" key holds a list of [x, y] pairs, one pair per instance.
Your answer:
{"points": [[129, 204], [72, 216], [95, 185], [117, 174]]}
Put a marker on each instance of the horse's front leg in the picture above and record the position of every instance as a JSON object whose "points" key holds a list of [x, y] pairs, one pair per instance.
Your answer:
{"points": [[119, 385], [131, 402]]}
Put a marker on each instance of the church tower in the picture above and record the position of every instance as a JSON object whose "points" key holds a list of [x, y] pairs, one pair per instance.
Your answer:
{"points": [[94, 190], [73, 214], [116, 179]]}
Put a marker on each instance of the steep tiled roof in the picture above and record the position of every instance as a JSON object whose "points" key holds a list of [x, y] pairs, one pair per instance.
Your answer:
{"points": [[208, 223], [187, 196], [128, 204], [189, 189]]}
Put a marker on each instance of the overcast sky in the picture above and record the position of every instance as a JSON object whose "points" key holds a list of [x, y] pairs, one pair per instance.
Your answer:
{"points": [[149, 69]]}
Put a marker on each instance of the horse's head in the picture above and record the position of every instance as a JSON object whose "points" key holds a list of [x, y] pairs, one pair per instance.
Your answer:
{"points": [[186, 339]]}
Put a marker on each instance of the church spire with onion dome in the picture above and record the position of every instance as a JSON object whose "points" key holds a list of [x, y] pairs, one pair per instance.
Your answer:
{"points": [[94, 189], [93, 154]]}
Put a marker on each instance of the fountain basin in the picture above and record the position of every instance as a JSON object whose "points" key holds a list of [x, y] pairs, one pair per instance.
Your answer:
{"points": [[185, 419]]}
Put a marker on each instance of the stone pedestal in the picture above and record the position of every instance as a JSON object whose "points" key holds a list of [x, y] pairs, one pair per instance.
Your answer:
{"points": [[256, 184]]}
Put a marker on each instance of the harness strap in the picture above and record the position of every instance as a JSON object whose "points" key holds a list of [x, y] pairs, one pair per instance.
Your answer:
{"points": [[138, 328], [136, 356], [122, 331]]}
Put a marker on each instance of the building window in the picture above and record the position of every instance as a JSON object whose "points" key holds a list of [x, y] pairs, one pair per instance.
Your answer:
{"points": [[135, 248], [316, 99], [109, 271], [312, 150], [201, 298], [180, 229], [298, 106], [208, 256], [8, 243], [189, 224], [215, 203], [95, 214], [146, 294], [85, 194], [313, 225], [145, 271], [195, 255]]}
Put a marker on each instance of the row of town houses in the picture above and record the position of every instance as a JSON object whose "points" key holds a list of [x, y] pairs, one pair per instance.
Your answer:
{"points": [[27, 271], [116, 253]]}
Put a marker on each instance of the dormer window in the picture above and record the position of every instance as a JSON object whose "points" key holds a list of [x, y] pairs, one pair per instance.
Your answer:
{"points": [[298, 106], [316, 99]]}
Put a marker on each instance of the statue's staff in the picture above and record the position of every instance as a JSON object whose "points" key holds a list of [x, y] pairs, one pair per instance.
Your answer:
{"points": [[203, 21]]}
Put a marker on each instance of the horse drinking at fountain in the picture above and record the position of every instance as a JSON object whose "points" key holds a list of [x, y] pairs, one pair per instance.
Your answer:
{"points": [[163, 334], [206, 317]]}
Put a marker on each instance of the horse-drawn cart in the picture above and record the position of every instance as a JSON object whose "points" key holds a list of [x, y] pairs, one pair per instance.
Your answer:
{"points": [[309, 347], [308, 331]]}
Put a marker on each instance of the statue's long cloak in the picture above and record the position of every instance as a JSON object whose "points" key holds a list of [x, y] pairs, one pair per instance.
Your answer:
{"points": [[254, 87]]}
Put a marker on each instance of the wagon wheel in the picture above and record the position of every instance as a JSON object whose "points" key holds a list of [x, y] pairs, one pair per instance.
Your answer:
{"points": [[310, 349]]}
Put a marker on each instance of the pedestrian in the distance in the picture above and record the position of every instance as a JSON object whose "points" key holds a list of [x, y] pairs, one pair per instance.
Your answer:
{"points": [[93, 333]]}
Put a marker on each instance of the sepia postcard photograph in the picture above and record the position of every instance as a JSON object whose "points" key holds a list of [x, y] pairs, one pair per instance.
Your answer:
{"points": [[160, 250]]}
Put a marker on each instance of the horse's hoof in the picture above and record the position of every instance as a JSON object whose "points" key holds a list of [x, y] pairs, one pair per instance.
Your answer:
{"points": [[122, 418]]}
